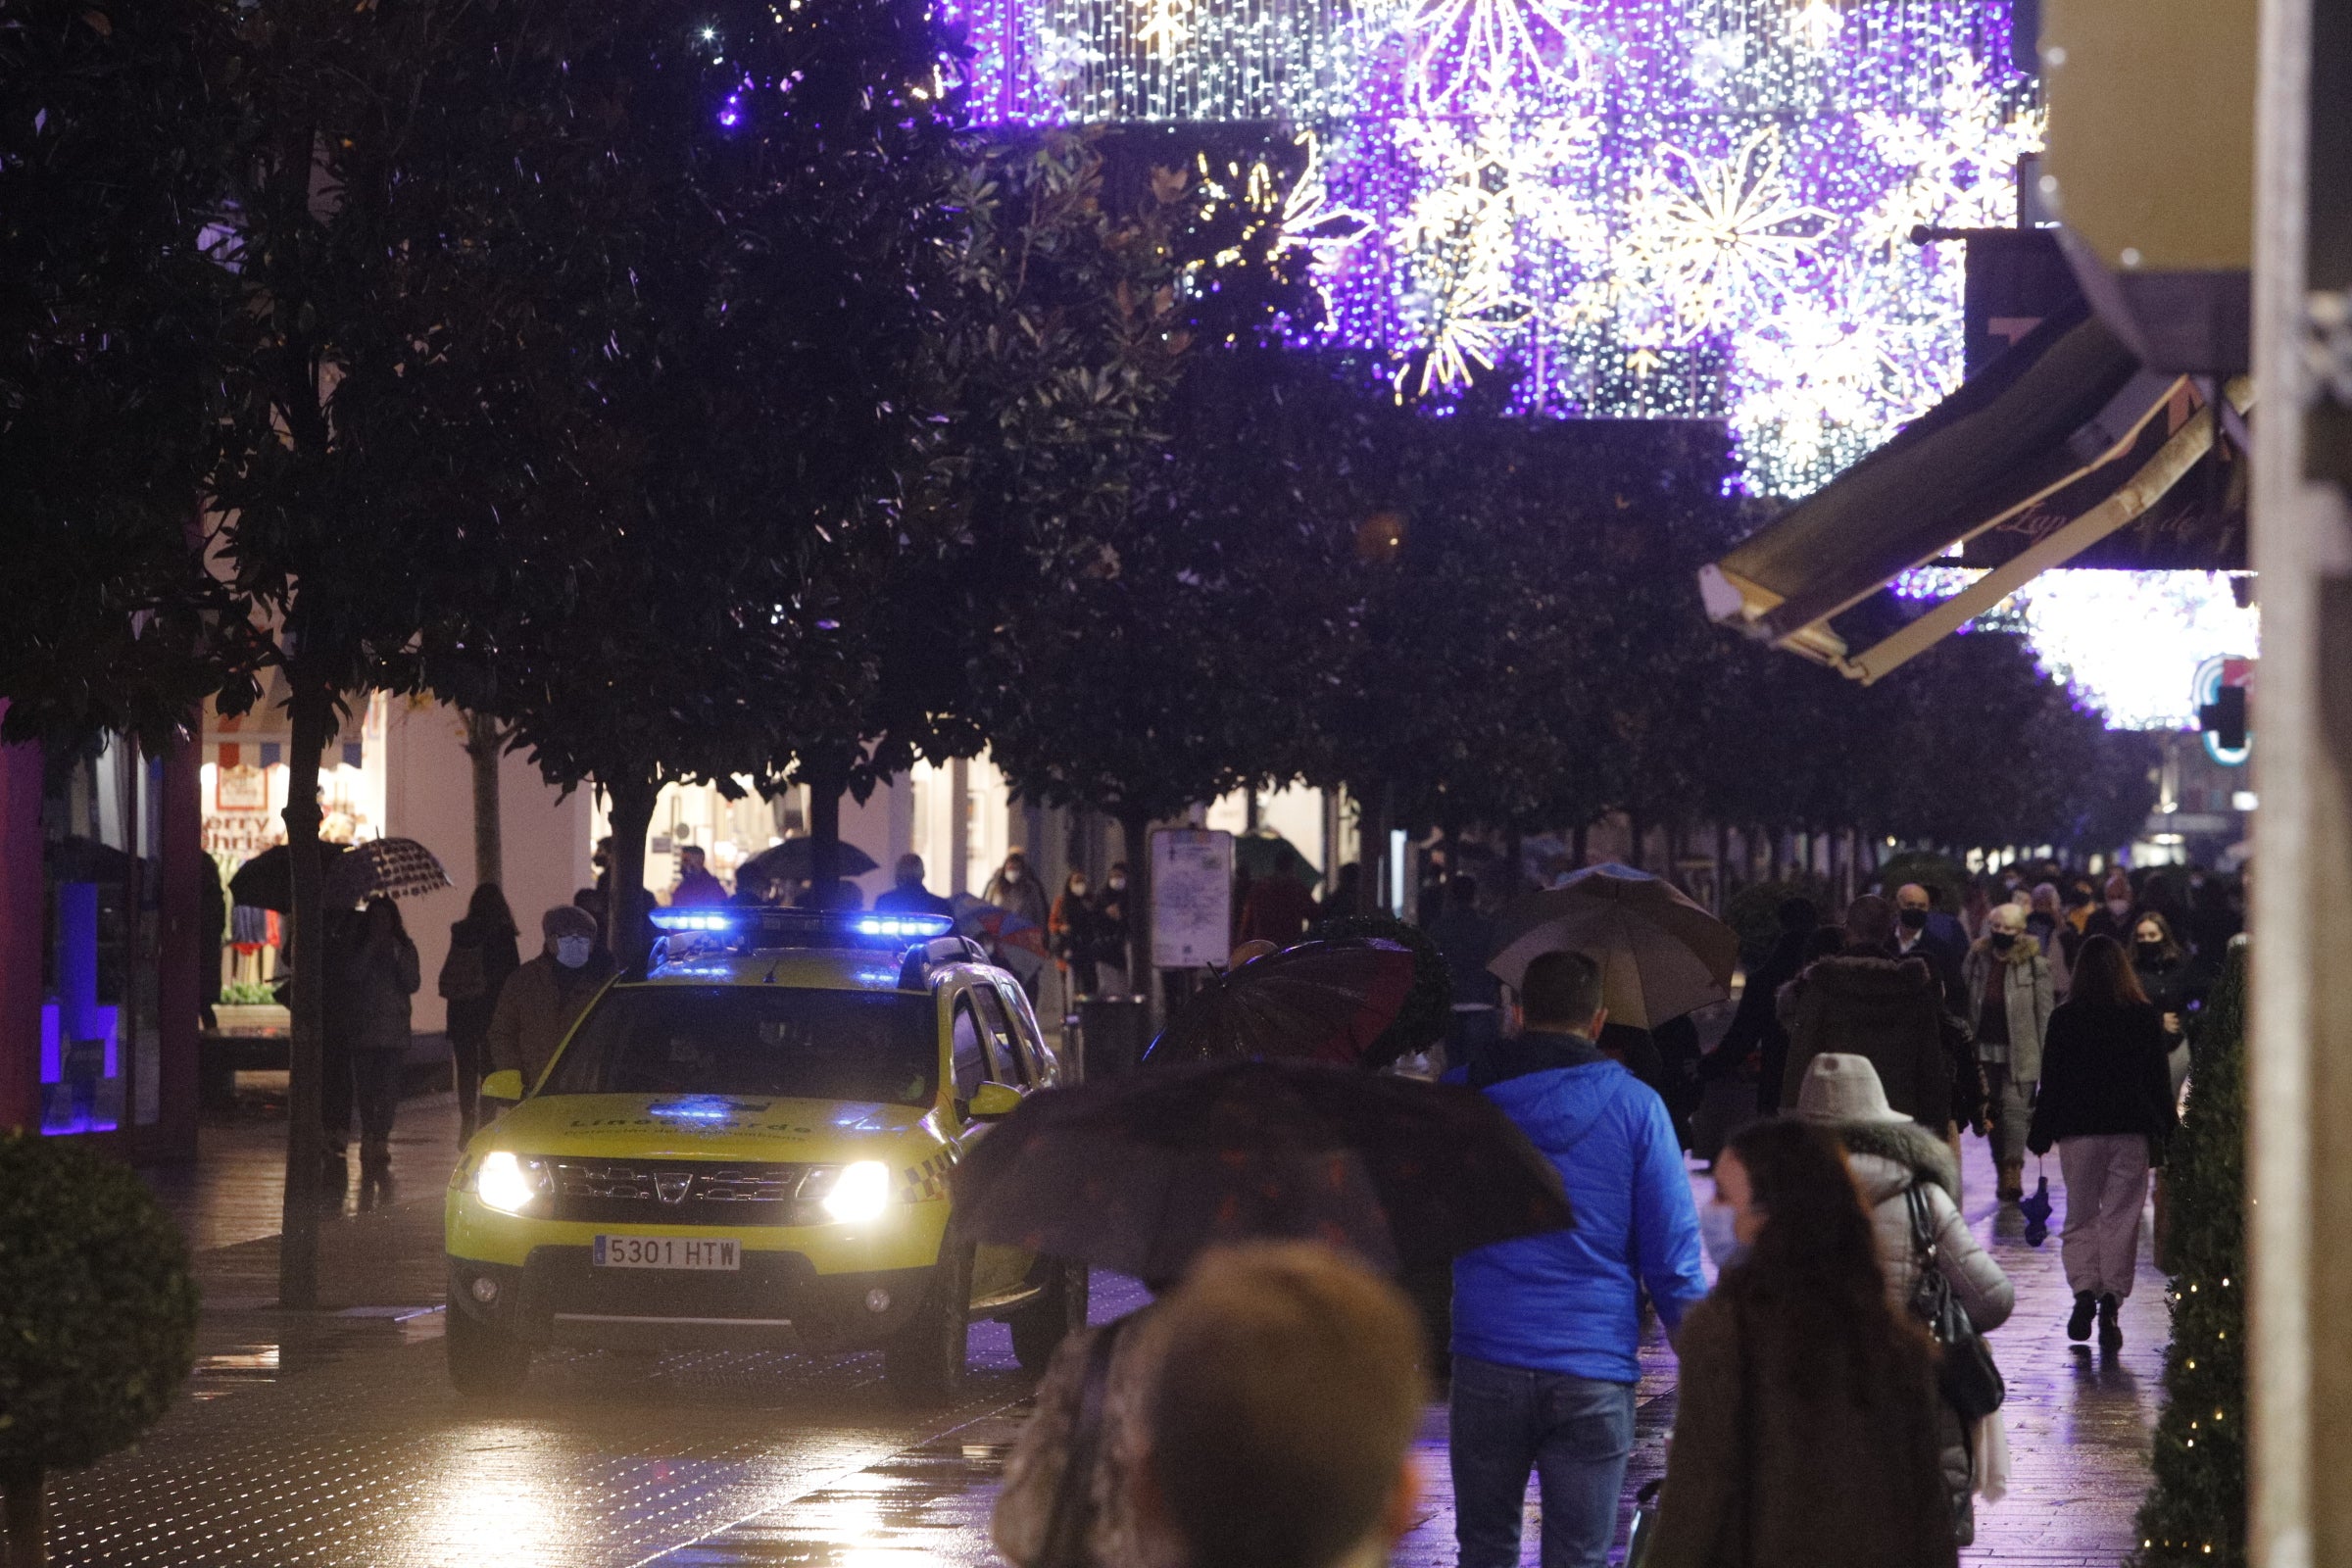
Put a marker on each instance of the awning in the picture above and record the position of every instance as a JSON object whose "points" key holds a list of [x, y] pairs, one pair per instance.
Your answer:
{"points": [[2066, 426]]}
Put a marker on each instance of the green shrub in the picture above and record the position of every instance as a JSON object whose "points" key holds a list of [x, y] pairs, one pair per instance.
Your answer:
{"points": [[1427, 1016], [97, 1317]]}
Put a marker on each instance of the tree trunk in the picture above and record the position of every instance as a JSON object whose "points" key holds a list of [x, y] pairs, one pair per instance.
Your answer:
{"points": [[1779, 858], [1372, 850], [1513, 859], [313, 711], [22, 1486], [1135, 836], [1636, 830], [1723, 865], [632, 818], [825, 782], [485, 742], [1580, 844]]}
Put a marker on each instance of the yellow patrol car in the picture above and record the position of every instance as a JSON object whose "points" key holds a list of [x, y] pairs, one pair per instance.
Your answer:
{"points": [[748, 1145]]}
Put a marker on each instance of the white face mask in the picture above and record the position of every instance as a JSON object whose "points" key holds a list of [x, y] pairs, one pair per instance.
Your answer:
{"points": [[1719, 1233], [2119, 908], [1012, 875], [1118, 884], [1078, 890], [572, 951]]}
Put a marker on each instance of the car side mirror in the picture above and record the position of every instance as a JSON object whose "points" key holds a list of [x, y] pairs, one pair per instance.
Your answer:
{"points": [[506, 1084], [992, 1103]]}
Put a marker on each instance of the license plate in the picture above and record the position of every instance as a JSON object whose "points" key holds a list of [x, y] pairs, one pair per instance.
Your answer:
{"points": [[666, 1251]]}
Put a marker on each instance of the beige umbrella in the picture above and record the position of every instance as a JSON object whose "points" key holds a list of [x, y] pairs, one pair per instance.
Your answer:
{"points": [[1660, 954]]}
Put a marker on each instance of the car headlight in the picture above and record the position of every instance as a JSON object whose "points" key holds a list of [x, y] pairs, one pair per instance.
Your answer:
{"points": [[506, 1183], [861, 1192]]}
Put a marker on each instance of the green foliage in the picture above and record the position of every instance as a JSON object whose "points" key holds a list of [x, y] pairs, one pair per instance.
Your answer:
{"points": [[1428, 1011], [98, 1318], [1945, 879], [1755, 912], [2196, 1511]]}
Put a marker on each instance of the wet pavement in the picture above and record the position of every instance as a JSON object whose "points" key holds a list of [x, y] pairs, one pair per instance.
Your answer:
{"points": [[333, 1439]]}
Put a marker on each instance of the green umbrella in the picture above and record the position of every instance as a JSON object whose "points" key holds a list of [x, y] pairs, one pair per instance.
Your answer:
{"points": [[1266, 853]]}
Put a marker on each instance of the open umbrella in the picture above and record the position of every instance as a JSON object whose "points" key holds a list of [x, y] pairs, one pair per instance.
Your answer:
{"points": [[1319, 1001], [1139, 1172], [1019, 942], [394, 868], [266, 881], [795, 860], [1266, 853], [1661, 955]]}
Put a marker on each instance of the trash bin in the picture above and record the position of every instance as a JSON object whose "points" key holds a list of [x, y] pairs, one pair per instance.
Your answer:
{"points": [[1112, 1032]]}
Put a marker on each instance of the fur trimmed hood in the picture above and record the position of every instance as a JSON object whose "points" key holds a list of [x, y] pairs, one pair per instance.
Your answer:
{"points": [[1861, 977], [2025, 950], [1891, 1157]]}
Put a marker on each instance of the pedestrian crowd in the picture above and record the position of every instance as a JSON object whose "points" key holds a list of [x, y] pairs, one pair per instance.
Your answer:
{"points": [[1838, 1397]]}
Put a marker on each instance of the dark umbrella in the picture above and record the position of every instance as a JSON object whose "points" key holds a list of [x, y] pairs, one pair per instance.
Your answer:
{"points": [[2036, 1210], [795, 860], [1140, 1172], [395, 869], [1319, 1001], [266, 881], [1266, 853]]}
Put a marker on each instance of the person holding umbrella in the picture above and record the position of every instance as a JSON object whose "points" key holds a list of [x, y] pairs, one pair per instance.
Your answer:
{"points": [[1546, 1328]]}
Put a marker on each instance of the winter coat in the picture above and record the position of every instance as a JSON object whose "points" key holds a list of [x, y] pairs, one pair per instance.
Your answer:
{"points": [[2028, 993], [496, 958], [1025, 898], [1769, 1469], [1074, 933], [1888, 1161], [375, 980], [537, 1008], [2170, 985], [1882, 1008], [1943, 947], [2103, 1071], [1569, 1301], [1040, 1456]]}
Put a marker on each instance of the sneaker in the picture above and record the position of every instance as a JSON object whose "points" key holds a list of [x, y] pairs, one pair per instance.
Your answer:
{"points": [[2078, 1327], [2111, 1333]]}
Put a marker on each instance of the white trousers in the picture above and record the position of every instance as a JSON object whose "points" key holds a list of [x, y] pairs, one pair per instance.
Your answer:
{"points": [[2106, 1191]]}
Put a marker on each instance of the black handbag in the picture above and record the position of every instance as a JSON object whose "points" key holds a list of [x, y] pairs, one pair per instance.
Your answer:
{"points": [[1970, 1378]]}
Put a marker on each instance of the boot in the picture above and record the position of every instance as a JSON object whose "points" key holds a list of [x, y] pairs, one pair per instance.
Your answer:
{"points": [[334, 1171], [2111, 1333], [2078, 1325], [2013, 1181], [375, 1159]]}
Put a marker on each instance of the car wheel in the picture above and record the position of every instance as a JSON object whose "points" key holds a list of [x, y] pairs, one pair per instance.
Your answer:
{"points": [[483, 1361], [925, 1361], [1038, 1328]]}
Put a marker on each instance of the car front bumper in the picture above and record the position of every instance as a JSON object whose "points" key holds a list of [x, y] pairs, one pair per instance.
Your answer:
{"points": [[777, 1300]]}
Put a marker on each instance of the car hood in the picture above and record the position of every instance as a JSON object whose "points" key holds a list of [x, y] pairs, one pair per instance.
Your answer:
{"points": [[703, 1126]]}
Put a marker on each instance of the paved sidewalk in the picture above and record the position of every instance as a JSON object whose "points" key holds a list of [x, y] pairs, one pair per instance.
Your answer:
{"points": [[2078, 1422]]}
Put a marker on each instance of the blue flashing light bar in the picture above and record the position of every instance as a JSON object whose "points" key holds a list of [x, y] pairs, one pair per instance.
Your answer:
{"points": [[762, 926]]}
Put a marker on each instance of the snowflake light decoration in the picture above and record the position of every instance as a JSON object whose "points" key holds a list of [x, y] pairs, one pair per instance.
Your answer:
{"points": [[1637, 208]]}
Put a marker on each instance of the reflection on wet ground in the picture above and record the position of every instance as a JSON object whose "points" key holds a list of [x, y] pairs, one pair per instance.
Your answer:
{"points": [[332, 1437]]}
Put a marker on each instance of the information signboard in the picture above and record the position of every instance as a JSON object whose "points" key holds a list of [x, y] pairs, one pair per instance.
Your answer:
{"points": [[1192, 897]]}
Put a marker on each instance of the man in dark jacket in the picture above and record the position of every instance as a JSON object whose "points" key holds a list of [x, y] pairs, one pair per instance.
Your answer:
{"points": [[1863, 1002], [1546, 1328], [908, 895], [1925, 932], [541, 1000]]}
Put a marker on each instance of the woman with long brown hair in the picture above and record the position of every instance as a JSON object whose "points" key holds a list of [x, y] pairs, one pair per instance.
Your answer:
{"points": [[1806, 1423], [2107, 1103]]}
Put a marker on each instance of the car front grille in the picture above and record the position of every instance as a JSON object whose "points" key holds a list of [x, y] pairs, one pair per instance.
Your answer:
{"points": [[682, 1192]]}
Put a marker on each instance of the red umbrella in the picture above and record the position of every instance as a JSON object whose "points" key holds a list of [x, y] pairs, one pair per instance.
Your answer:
{"points": [[1316, 1001]]}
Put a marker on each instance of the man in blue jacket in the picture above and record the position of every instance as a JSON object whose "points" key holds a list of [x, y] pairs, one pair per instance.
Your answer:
{"points": [[1547, 1329]]}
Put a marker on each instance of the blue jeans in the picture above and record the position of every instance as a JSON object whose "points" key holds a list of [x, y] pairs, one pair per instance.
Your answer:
{"points": [[1575, 1433]]}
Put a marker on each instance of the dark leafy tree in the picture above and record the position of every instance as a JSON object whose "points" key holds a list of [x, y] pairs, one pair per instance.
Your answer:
{"points": [[109, 131]]}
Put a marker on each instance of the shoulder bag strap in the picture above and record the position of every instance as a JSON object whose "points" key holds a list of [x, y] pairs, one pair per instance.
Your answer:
{"points": [[1073, 1517]]}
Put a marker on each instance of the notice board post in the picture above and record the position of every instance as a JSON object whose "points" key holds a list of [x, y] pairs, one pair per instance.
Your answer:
{"points": [[1191, 899]]}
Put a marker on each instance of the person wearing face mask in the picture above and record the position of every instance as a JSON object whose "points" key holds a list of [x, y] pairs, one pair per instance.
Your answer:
{"points": [[2113, 916], [2009, 1000], [1075, 941], [1112, 932], [1015, 888], [539, 1003], [2169, 981], [1924, 932]]}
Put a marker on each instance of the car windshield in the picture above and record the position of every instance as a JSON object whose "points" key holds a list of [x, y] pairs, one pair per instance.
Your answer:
{"points": [[740, 1040]]}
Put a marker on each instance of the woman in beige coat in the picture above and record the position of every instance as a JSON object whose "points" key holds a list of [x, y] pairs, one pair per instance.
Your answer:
{"points": [[2010, 996]]}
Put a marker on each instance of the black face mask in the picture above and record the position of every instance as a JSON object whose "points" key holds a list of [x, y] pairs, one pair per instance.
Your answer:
{"points": [[2150, 952], [2003, 940], [1913, 919]]}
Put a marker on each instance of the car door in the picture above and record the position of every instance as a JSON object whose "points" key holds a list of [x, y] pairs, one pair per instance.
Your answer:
{"points": [[1039, 1059], [983, 1049]]}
